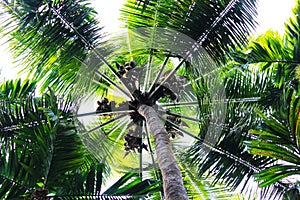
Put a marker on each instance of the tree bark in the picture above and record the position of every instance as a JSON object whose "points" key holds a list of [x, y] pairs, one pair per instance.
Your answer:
{"points": [[172, 178]]}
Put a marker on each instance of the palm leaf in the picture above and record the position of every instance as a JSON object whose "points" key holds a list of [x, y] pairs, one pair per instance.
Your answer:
{"points": [[17, 89], [134, 187], [275, 54], [253, 82], [57, 25], [228, 161], [41, 147], [278, 140], [87, 184], [216, 25]]}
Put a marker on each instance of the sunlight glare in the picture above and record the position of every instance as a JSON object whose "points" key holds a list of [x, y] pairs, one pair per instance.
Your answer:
{"points": [[273, 13]]}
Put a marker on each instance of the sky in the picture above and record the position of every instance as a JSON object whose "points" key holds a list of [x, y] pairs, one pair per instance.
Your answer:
{"points": [[271, 15]]}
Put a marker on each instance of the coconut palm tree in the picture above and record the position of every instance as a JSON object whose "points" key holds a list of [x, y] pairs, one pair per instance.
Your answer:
{"points": [[277, 139], [264, 71], [183, 37], [43, 155], [32, 133]]}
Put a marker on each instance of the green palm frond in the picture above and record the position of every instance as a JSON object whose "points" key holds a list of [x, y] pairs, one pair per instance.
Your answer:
{"points": [[228, 161], [231, 163], [216, 25], [202, 188], [16, 103], [279, 140], [270, 54], [41, 145], [87, 185], [273, 53], [88, 180], [16, 89], [261, 75], [47, 37], [292, 27], [135, 187]]}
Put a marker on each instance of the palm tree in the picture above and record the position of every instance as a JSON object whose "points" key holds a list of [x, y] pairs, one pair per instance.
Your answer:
{"points": [[43, 155], [264, 71], [277, 140], [69, 28], [32, 133]]}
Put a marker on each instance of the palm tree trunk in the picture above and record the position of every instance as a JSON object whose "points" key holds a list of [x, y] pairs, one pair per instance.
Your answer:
{"points": [[172, 178]]}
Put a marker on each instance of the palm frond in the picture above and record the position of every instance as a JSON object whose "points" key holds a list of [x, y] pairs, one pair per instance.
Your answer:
{"points": [[278, 139], [262, 73], [216, 25], [129, 186], [17, 89], [46, 37], [41, 145], [275, 54], [228, 161], [201, 188], [292, 32]]}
